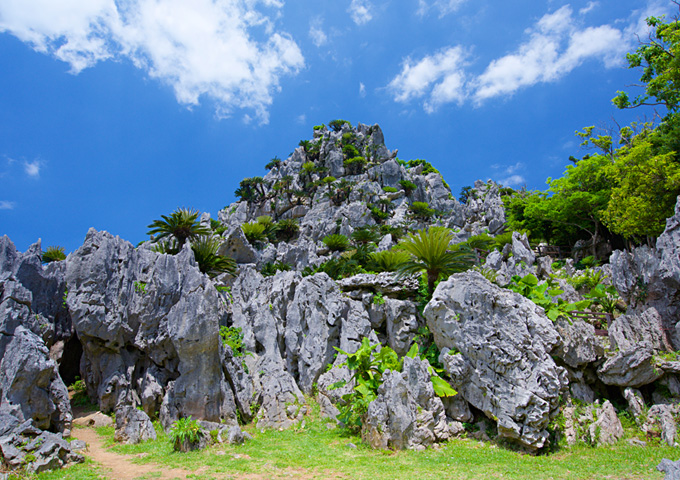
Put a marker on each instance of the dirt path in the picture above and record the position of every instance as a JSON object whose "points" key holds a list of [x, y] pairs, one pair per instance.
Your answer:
{"points": [[120, 467]]}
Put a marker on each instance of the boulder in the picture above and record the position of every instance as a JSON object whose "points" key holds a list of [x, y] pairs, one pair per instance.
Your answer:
{"points": [[579, 346], [607, 429], [504, 367], [661, 419], [133, 426], [644, 330], [670, 468], [149, 325], [406, 414], [25, 446], [634, 367]]}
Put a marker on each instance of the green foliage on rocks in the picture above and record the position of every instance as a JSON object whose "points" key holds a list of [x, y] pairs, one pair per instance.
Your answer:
{"points": [[53, 254], [336, 242]]}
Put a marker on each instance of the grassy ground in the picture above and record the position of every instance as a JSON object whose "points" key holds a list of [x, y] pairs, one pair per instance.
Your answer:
{"points": [[317, 451]]}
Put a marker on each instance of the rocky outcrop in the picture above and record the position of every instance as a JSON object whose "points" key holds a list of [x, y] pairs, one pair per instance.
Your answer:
{"points": [[649, 277], [133, 426], [32, 318], [22, 445], [504, 366], [149, 325], [406, 414]]}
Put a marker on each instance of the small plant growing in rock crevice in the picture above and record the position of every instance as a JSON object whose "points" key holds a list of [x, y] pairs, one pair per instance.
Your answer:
{"points": [[184, 431], [53, 254]]}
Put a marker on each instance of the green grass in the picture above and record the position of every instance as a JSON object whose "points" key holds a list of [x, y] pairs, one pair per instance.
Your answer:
{"points": [[315, 451]]}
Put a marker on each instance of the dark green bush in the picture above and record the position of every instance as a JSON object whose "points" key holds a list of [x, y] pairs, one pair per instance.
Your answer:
{"points": [[355, 166], [407, 186], [421, 211], [336, 242], [287, 229], [336, 125]]}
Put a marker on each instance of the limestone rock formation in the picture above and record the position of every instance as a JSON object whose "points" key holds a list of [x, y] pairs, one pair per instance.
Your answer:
{"points": [[503, 367], [406, 413]]}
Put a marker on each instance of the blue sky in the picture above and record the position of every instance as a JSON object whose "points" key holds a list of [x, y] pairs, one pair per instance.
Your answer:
{"points": [[115, 112]]}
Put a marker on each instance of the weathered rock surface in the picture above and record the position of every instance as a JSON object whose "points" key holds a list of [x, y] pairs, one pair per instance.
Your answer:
{"points": [[661, 418], [634, 367], [607, 429], [670, 468], [579, 345], [644, 330], [149, 324], [23, 445], [30, 385], [406, 413], [504, 367], [133, 426]]}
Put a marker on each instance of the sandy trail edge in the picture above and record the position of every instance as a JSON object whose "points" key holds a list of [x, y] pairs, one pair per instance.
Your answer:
{"points": [[120, 467]]}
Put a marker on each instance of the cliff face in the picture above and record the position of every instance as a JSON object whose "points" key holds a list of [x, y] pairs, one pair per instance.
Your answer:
{"points": [[144, 329]]}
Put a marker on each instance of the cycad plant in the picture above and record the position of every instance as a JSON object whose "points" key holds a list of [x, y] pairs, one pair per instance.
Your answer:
{"points": [[53, 254], [388, 260], [336, 242], [209, 262], [430, 252], [182, 224]]}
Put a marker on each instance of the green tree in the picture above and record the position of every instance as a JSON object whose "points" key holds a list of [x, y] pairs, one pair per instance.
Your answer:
{"points": [[182, 225], [646, 186], [430, 252], [659, 59]]}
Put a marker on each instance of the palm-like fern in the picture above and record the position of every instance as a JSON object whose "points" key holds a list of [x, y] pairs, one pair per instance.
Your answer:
{"points": [[430, 252], [182, 224], [53, 254], [209, 262]]}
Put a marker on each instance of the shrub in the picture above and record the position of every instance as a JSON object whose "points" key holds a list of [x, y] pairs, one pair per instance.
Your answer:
{"points": [[274, 163], [319, 127], [336, 242], [365, 235], [217, 227], [53, 254], [388, 260], [407, 186], [254, 232], [355, 166], [541, 295], [180, 225], [269, 269], [421, 210], [185, 430], [378, 214], [287, 229], [233, 336], [209, 262], [348, 137], [336, 125], [269, 227], [390, 190]]}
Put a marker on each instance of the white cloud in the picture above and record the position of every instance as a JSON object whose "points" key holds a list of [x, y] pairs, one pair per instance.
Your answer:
{"points": [[5, 205], [556, 47], [360, 11], [444, 7], [588, 8], [439, 76], [509, 174], [557, 44], [32, 169], [513, 181], [301, 119], [227, 50], [362, 90], [316, 32]]}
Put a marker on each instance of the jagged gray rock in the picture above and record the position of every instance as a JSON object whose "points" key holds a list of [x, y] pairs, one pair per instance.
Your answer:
{"points": [[30, 385], [607, 429], [504, 367], [670, 468], [149, 324], [22, 445], [406, 413], [644, 330], [579, 345], [133, 426], [634, 367], [662, 418]]}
